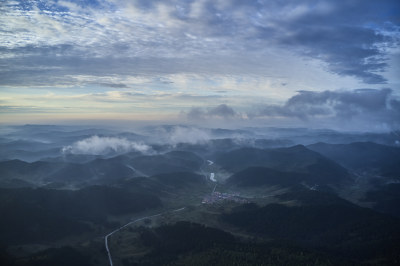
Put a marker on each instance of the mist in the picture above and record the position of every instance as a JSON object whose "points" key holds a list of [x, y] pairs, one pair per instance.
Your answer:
{"points": [[96, 145], [199, 132], [103, 182]]}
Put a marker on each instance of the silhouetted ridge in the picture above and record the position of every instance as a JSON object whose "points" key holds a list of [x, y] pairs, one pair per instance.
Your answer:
{"points": [[386, 199], [259, 176], [179, 179], [296, 159], [323, 221], [363, 155], [43, 214]]}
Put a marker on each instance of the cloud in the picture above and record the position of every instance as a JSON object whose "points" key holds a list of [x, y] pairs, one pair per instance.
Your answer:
{"points": [[188, 135], [96, 145], [173, 135], [351, 37], [221, 111], [195, 113], [163, 37], [368, 106], [114, 85], [177, 53], [359, 109], [348, 51]]}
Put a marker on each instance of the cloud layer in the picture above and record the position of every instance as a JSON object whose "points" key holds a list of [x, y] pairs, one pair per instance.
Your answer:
{"points": [[221, 111], [96, 145], [146, 59], [48, 42], [363, 107], [360, 109]]}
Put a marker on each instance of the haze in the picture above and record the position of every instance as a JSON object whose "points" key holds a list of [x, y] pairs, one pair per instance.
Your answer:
{"points": [[199, 132]]}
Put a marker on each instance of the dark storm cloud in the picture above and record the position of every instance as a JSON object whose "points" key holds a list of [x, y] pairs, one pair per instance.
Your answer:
{"points": [[368, 104], [221, 111], [361, 109], [195, 113], [348, 51], [345, 35], [336, 33], [395, 104]]}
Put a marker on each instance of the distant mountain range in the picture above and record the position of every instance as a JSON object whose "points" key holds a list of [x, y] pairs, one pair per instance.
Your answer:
{"points": [[292, 164], [97, 171], [271, 200], [385, 160]]}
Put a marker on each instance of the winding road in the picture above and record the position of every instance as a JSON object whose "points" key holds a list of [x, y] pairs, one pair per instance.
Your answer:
{"points": [[150, 216], [136, 171], [132, 222]]}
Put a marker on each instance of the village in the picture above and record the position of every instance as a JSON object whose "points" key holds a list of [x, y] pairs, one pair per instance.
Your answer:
{"points": [[216, 196]]}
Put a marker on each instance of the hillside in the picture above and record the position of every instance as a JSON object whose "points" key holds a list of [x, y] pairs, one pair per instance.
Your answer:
{"points": [[296, 159], [322, 221], [262, 176], [37, 215], [98, 171], [363, 156]]}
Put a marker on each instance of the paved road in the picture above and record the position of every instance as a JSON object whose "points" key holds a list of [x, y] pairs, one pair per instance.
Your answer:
{"points": [[151, 216], [137, 171], [132, 222]]}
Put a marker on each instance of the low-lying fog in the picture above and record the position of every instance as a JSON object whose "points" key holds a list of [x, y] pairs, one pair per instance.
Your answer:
{"points": [[37, 142]]}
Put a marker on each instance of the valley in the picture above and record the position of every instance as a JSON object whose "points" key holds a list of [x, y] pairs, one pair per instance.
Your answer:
{"points": [[185, 204], [199, 132]]}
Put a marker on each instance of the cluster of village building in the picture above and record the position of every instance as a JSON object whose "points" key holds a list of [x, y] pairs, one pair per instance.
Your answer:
{"points": [[220, 196]]}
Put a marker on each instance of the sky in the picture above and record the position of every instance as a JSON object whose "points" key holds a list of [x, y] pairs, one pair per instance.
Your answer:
{"points": [[321, 64]]}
